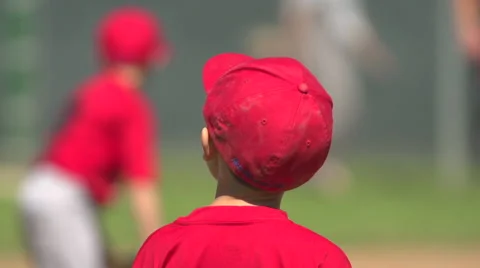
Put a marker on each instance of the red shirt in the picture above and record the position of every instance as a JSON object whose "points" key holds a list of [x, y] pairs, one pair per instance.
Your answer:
{"points": [[107, 131], [238, 237]]}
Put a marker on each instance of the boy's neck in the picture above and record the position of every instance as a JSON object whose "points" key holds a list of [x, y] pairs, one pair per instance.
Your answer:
{"points": [[130, 76], [222, 198], [232, 192]]}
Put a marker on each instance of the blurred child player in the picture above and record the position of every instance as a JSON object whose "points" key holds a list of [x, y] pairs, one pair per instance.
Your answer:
{"points": [[106, 135], [268, 130]]}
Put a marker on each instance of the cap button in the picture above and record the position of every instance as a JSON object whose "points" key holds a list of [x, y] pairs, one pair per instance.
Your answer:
{"points": [[303, 88]]}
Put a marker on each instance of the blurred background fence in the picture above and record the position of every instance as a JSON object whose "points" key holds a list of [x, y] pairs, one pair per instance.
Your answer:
{"points": [[400, 111]]}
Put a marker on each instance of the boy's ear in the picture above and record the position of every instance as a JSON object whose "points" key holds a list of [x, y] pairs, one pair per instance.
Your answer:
{"points": [[209, 151]]}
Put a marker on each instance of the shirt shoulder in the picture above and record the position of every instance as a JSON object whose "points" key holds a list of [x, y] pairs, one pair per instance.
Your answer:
{"points": [[164, 234], [156, 248], [333, 255], [99, 96], [296, 244], [102, 97]]}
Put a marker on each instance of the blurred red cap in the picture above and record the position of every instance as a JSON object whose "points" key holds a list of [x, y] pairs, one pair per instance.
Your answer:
{"points": [[270, 119], [132, 35]]}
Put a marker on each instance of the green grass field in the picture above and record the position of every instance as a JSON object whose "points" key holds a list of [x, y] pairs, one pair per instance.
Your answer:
{"points": [[387, 205]]}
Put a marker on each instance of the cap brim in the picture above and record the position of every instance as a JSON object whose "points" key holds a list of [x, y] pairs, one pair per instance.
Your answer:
{"points": [[219, 65]]}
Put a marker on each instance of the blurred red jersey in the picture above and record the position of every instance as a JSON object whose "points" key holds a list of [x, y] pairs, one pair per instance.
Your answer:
{"points": [[107, 131], [238, 237]]}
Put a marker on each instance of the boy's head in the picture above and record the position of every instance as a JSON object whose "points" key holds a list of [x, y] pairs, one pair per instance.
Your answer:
{"points": [[132, 36], [268, 121]]}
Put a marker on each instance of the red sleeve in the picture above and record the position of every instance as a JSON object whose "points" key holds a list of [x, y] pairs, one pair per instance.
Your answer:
{"points": [[138, 143], [144, 258], [336, 259], [147, 256]]}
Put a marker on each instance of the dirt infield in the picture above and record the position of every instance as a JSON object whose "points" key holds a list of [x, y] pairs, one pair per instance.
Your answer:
{"points": [[380, 258], [13, 263]]}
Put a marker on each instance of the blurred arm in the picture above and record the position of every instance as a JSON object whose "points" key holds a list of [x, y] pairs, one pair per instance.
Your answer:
{"points": [[146, 207], [139, 162], [467, 22]]}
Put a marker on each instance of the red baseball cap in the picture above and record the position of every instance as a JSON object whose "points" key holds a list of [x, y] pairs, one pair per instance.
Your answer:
{"points": [[132, 35], [270, 119]]}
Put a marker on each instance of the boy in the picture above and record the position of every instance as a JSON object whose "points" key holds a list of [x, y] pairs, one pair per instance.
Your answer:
{"points": [[106, 134], [268, 130]]}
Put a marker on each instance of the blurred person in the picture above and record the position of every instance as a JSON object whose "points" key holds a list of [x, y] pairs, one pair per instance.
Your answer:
{"points": [[467, 22], [106, 138], [268, 130], [332, 37]]}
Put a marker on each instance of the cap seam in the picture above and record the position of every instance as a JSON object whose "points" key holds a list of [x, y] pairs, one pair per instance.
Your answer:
{"points": [[230, 70], [252, 68], [291, 125], [249, 96]]}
